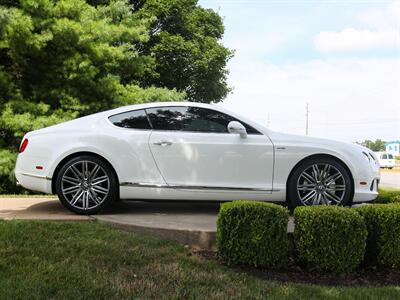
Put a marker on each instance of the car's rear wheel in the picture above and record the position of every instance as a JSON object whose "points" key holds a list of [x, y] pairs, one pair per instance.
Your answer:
{"points": [[320, 180], [86, 185]]}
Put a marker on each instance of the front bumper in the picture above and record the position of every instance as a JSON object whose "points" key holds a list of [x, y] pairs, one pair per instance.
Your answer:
{"points": [[366, 182]]}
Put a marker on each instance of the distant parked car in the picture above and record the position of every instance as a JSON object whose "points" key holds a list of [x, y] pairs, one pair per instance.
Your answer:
{"points": [[386, 160], [189, 151]]}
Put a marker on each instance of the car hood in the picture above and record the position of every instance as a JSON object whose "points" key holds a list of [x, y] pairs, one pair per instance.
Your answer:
{"points": [[280, 139]]}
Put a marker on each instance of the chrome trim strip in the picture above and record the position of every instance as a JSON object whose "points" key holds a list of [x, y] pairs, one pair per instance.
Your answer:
{"points": [[193, 187], [36, 176]]}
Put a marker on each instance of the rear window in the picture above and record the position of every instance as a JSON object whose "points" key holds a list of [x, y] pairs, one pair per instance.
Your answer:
{"points": [[390, 156], [136, 119]]}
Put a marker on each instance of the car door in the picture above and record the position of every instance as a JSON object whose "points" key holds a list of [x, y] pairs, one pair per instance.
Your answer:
{"points": [[192, 148]]}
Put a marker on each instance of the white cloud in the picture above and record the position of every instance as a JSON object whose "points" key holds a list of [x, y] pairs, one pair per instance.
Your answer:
{"points": [[381, 31], [275, 72], [350, 99], [353, 39], [388, 17]]}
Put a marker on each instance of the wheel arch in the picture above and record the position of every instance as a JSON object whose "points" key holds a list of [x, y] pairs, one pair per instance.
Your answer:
{"points": [[76, 154], [322, 155]]}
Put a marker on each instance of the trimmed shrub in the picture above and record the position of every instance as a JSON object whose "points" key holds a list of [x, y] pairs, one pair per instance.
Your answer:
{"points": [[388, 197], [253, 233], [329, 238], [383, 242]]}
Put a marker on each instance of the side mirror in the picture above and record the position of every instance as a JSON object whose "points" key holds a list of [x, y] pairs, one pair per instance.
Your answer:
{"points": [[237, 127]]}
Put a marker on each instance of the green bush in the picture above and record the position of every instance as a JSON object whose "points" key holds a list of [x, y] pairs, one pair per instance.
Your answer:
{"points": [[383, 242], [329, 238], [253, 233], [388, 197]]}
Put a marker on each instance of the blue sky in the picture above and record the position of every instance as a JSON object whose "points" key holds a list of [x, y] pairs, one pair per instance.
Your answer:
{"points": [[342, 57]]}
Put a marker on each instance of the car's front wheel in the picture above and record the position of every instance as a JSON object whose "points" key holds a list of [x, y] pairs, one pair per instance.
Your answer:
{"points": [[320, 180], [86, 185]]}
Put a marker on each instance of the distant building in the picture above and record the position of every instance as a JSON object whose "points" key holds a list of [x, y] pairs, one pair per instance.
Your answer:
{"points": [[393, 147]]}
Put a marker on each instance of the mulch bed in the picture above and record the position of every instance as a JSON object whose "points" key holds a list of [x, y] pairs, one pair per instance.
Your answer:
{"points": [[295, 274]]}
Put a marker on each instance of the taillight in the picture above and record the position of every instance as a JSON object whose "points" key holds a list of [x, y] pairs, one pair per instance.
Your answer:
{"points": [[23, 146]]}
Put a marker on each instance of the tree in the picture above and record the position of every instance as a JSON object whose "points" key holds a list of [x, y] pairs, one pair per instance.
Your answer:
{"points": [[184, 42], [64, 59], [377, 145]]}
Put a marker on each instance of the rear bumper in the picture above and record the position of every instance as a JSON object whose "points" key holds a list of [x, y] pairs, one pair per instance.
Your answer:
{"points": [[34, 182], [30, 178]]}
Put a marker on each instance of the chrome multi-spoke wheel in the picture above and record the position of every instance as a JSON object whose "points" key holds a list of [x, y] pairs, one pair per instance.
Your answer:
{"points": [[321, 184], [320, 180], [85, 185]]}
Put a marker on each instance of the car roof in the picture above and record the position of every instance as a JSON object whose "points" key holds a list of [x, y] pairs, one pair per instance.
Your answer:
{"points": [[160, 104], [219, 108]]}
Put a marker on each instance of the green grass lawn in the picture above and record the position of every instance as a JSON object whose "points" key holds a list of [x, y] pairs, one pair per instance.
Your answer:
{"points": [[84, 260]]}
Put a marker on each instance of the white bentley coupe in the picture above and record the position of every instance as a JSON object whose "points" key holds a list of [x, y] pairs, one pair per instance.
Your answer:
{"points": [[189, 151]]}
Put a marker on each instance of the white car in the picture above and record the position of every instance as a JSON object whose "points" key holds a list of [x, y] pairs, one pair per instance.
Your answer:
{"points": [[386, 160], [189, 151]]}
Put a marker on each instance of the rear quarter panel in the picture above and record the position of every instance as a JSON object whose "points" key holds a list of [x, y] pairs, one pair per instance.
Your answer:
{"points": [[126, 150]]}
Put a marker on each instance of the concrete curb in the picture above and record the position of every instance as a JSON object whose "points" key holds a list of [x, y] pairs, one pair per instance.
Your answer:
{"points": [[194, 238]]}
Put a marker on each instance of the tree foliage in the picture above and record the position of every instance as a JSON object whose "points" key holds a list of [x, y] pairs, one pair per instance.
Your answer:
{"points": [[377, 145], [60, 59], [184, 41]]}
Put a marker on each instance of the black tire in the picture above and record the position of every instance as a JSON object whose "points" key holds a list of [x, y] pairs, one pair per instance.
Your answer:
{"points": [[295, 194], [94, 198]]}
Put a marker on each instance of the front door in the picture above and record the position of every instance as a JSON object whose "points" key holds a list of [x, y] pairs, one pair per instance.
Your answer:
{"points": [[192, 148]]}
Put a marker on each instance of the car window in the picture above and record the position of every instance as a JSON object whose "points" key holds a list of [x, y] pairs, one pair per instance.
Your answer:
{"points": [[193, 119], [136, 119], [390, 156], [384, 156]]}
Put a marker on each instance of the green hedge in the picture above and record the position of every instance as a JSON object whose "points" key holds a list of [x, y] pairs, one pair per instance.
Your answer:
{"points": [[329, 238], [253, 233], [388, 197], [383, 242]]}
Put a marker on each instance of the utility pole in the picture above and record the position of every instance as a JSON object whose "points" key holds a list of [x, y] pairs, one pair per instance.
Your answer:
{"points": [[307, 112]]}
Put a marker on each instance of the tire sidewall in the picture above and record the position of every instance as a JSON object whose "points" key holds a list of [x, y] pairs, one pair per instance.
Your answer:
{"points": [[293, 199], [111, 194]]}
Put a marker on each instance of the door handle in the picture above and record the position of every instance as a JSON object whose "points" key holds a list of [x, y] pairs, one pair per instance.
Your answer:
{"points": [[163, 143]]}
